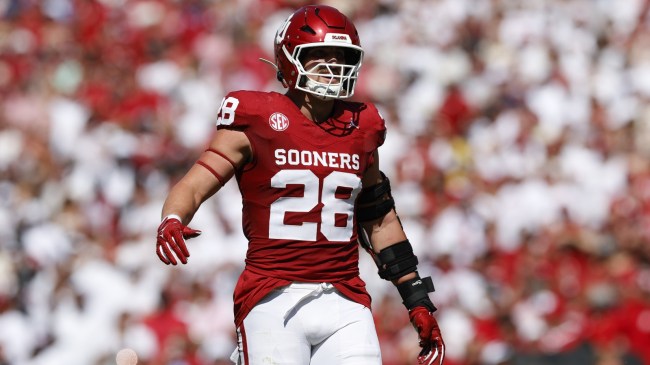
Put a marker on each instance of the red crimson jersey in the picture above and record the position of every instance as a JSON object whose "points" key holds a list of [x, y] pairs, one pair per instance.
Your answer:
{"points": [[299, 192]]}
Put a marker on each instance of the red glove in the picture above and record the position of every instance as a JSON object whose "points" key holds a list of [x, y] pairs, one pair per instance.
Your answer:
{"points": [[433, 347], [172, 234]]}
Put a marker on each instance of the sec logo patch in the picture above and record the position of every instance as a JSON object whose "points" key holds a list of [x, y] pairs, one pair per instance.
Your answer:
{"points": [[279, 121]]}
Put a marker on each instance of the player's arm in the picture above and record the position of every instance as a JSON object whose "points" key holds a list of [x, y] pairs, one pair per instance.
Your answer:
{"points": [[382, 235], [228, 151]]}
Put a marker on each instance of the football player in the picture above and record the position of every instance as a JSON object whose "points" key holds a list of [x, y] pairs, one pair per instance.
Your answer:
{"points": [[307, 166]]}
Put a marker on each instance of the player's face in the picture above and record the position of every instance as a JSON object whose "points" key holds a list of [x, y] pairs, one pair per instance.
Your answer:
{"points": [[315, 60]]}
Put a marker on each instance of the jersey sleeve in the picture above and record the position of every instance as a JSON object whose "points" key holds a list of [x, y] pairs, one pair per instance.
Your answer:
{"points": [[374, 128], [378, 125], [237, 110]]}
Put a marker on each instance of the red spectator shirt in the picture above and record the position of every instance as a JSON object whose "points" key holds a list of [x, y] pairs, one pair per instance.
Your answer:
{"points": [[299, 192]]}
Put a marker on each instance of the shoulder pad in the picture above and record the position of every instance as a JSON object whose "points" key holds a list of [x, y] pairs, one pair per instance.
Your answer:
{"points": [[239, 108], [373, 122]]}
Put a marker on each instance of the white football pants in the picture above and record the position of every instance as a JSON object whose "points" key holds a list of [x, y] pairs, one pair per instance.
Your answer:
{"points": [[307, 324]]}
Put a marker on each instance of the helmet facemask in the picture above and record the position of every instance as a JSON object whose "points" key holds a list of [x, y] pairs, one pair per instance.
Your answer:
{"points": [[328, 80]]}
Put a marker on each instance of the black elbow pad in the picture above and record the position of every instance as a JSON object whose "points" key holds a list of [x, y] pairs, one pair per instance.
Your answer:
{"points": [[375, 201]]}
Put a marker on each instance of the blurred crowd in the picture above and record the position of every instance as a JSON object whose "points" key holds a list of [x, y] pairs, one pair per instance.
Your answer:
{"points": [[518, 149]]}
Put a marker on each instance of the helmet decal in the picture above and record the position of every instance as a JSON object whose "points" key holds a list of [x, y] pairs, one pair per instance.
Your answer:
{"points": [[282, 31]]}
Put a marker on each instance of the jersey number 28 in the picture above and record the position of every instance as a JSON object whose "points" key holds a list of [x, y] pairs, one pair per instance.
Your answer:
{"points": [[333, 205]]}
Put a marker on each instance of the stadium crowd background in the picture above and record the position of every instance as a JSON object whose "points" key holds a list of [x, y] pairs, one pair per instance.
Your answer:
{"points": [[518, 150]]}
